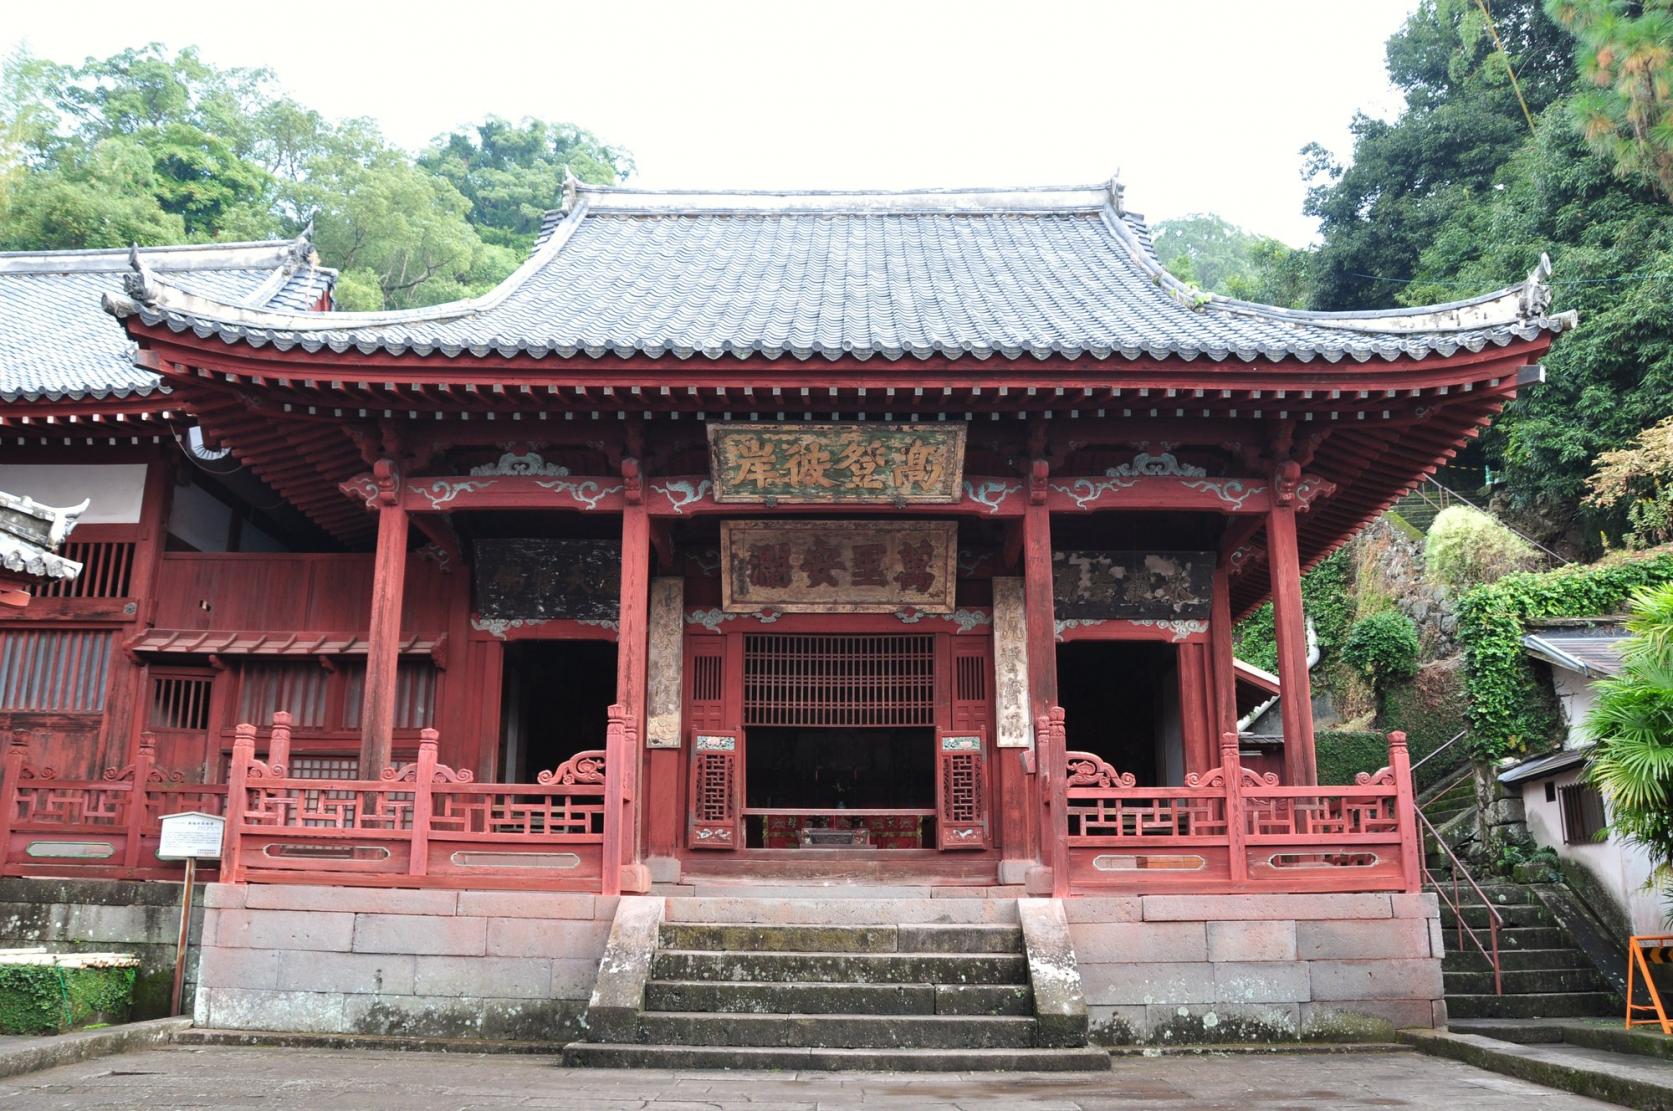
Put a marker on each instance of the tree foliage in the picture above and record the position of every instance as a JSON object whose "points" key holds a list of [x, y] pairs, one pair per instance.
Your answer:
{"points": [[1632, 727], [1465, 546], [148, 147], [1639, 476], [1382, 647], [1220, 257], [1625, 110]]}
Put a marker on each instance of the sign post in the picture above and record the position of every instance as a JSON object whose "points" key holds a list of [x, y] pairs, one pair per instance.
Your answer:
{"points": [[188, 836]]}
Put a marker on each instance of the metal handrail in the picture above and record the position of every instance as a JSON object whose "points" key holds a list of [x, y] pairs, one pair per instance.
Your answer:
{"points": [[1438, 749], [1494, 919]]}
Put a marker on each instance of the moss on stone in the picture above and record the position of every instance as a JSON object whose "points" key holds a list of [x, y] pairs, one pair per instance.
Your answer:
{"points": [[49, 999]]}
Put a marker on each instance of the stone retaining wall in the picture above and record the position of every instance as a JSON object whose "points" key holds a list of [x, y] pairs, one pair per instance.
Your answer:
{"points": [[336, 960], [108, 915], [1195, 968]]}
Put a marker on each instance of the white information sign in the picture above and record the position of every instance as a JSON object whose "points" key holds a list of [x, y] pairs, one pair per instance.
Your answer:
{"points": [[191, 835]]}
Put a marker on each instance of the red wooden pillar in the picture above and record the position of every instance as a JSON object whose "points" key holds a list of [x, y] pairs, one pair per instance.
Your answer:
{"points": [[383, 641], [631, 649], [126, 706], [1196, 731], [1290, 626], [1223, 668], [1040, 614]]}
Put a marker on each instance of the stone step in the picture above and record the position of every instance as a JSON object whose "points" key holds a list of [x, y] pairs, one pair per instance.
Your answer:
{"points": [[858, 905], [1525, 937], [1590, 1033], [1615, 1077], [837, 1031], [1524, 982], [1499, 894], [908, 938], [833, 998], [858, 968], [1512, 916], [1549, 1005], [603, 1055], [1519, 960]]}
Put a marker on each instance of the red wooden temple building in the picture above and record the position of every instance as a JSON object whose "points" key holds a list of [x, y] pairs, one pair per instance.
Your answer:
{"points": [[735, 535]]}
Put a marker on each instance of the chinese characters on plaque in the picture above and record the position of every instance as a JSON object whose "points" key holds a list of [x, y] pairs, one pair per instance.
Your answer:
{"points": [[831, 463], [838, 566]]}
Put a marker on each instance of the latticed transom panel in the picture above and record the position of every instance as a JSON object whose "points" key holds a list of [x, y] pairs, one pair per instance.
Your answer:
{"points": [[179, 703], [820, 680], [961, 787], [64, 670]]}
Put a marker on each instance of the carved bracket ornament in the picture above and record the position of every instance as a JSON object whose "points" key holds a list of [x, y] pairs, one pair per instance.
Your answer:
{"points": [[683, 493], [439, 492], [992, 494], [525, 463], [583, 767], [1087, 770], [587, 493]]}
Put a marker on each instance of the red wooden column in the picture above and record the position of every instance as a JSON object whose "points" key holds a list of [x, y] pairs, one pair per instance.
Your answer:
{"points": [[383, 642], [1195, 703], [1290, 626], [1223, 670], [631, 648], [1040, 613]]}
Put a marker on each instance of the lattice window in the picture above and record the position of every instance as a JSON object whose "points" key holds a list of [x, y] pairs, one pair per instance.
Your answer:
{"points": [[961, 787], [706, 678], [323, 767], [296, 686], [1583, 814], [180, 703], [839, 680], [415, 694], [107, 567], [970, 679], [65, 670], [713, 787]]}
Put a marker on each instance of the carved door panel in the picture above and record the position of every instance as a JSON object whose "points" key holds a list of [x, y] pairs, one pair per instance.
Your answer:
{"points": [[716, 790], [961, 791]]}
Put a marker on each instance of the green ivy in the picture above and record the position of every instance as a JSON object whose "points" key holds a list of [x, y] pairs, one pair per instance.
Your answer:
{"points": [[47, 999], [1509, 711], [1340, 755], [1324, 597], [1382, 648]]}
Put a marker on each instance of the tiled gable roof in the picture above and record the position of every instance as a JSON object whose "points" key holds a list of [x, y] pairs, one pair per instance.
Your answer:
{"points": [[56, 341], [982, 273]]}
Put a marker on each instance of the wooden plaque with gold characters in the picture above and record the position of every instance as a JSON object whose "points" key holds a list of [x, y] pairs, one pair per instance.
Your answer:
{"points": [[807, 566], [787, 464]]}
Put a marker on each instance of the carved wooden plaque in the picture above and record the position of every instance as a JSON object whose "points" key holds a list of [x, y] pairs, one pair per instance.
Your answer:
{"points": [[834, 463], [1133, 586], [543, 579], [838, 566]]}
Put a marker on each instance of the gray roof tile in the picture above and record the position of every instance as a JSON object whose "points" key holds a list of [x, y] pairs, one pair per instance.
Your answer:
{"points": [[980, 273], [56, 341]]}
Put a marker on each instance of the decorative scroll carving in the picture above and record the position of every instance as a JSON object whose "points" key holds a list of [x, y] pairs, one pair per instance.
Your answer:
{"points": [[712, 619], [1064, 626], [683, 492], [992, 494], [587, 493], [965, 619], [1217, 778], [1310, 488], [1084, 491], [1087, 770], [408, 773], [1383, 777], [1234, 492], [583, 767], [440, 491], [527, 463], [1161, 464], [1181, 630], [363, 487]]}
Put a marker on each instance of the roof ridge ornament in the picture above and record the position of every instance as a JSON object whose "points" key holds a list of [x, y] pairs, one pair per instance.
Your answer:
{"points": [[1536, 291], [139, 283], [1118, 193], [571, 189]]}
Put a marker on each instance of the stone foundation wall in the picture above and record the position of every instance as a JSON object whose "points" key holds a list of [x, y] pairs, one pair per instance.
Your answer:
{"points": [[107, 915], [332, 960], [1196, 968]]}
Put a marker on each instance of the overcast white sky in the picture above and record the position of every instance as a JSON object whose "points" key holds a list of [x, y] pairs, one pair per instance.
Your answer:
{"points": [[1201, 104]]}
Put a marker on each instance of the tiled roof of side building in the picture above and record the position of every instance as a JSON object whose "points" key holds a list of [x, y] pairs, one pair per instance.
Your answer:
{"points": [[56, 341], [979, 273]]}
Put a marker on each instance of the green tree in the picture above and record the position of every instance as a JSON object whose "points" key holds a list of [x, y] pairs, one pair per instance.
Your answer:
{"points": [[1460, 123], [1632, 727], [1223, 258], [1625, 110], [512, 174]]}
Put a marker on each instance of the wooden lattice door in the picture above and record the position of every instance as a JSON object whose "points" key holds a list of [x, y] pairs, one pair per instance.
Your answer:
{"points": [[716, 790], [961, 769]]}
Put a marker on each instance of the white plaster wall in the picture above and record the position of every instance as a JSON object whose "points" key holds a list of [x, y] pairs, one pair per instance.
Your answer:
{"points": [[1575, 699], [1621, 868], [116, 489]]}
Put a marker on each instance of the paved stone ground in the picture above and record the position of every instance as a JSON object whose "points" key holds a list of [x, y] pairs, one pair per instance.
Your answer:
{"points": [[225, 1077]]}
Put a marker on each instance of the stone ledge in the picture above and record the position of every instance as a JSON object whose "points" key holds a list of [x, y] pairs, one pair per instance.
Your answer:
{"points": [[34, 1054]]}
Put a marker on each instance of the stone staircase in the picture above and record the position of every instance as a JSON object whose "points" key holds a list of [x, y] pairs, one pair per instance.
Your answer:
{"points": [[1544, 973], [889, 997]]}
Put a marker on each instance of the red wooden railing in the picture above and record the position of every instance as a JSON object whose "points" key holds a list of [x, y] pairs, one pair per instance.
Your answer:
{"points": [[99, 829], [1231, 829], [421, 824]]}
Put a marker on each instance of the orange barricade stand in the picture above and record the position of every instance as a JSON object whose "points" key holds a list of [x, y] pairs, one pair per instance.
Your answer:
{"points": [[1643, 950]]}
